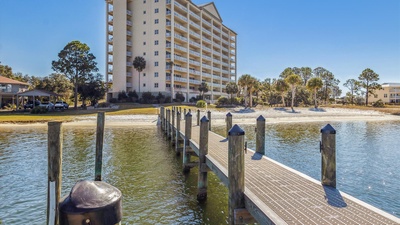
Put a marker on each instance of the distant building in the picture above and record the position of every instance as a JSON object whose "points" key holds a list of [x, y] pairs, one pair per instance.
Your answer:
{"points": [[183, 44], [390, 93], [9, 89]]}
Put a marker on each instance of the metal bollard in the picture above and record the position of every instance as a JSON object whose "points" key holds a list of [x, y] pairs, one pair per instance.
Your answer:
{"points": [[228, 123], [209, 118], [260, 136], [328, 156], [91, 202], [235, 170]]}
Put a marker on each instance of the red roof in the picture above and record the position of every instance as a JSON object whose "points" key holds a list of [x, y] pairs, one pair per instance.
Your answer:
{"points": [[5, 80]]}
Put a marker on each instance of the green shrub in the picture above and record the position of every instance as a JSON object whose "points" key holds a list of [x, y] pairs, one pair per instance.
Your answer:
{"points": [[222, 101], [147, 97], [378, 104], [103, 105], [38, 110], [179, 97], [201, 104], [113, 100]]}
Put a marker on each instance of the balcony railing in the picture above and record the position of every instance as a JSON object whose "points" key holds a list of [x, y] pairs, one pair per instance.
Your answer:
{"points": [[206, 66], [168, 45], [181, 37], [216, 53], [216, 69], [178, 68], [129, 33], [129, 12], [206, 31], [180, 58], [129, 43], [204, 74], [129, 64], [128, 53], [194, 34], [194, 62], [206, 57], [216, 37], [180, 16], [194, 15], [180, 6], [207, 40], [195, 25], [180, 27], [128, 74], [194, 71], [129, 23], [180, 47], [206, 22], [194, 81], [194, 53], [217, 61], [207, 48], [128, 85], [195, 43]]}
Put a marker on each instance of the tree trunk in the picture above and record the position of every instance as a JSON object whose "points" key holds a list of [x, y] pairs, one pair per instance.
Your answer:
{"points": [[139, 84], [283, 100], [76, 92], [251, 99], [315, 99], [293, 93]]}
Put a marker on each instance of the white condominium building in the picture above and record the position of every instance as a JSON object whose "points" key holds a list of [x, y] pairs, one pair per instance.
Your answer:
{"points": [[183, 44]]}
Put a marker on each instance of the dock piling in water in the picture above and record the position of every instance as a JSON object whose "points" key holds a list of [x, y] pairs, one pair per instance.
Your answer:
{"points": [[54, 148], [260, 136], [173, 126], [198, 117], [202, 182], [99, 145], [186, 147], [328, 156], [177, 133]]}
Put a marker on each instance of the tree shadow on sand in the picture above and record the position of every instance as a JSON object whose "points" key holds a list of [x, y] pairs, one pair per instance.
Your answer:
{"points": [[287, 110], [317, 109]]}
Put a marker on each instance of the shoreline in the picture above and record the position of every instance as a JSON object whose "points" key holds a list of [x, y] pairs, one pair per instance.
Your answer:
{"points": [[240, 116]]}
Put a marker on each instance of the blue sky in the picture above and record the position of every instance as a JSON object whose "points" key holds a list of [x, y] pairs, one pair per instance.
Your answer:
{"points": [[344, 36]]}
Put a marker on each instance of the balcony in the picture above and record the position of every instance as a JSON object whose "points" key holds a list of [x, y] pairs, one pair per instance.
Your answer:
{"points": [[129, 12], [204, 74], [207, 48], [194, 62], [129, 43], [168, 45], [129, 23], [194, 53], [178, 68], [217, 61], [128, 85], [128, 53], [225, 42], [194, 81], [217, 29], [225, 57], [180, 79], [177, 25], [168, 34], [206, 31], [225, 49], [206, 66], [195, 34], [225, 71], [195, 43], [216, 37], [176, 46], [168, 2], [196, 72], [216, 53], [180, 58], [129, 64], [181, 37], [180, 6], [129, 33], [180, 17], [206, 22], [128, 74], [206, 57], [194, 15], [225, 34], [195, 25], [216, 69], [207, 40]]}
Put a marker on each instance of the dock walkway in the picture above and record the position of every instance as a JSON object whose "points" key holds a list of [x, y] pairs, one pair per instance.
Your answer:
{"points": [[277, 194]]}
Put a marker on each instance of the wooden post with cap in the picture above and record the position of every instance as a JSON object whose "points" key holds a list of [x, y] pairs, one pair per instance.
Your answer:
{"points": [[260, 135], [202, 182], [328, 156]]}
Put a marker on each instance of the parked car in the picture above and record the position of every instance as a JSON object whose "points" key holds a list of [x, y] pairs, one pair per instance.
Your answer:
{"points": [[61, 105], [48, 105], [30, 105]]}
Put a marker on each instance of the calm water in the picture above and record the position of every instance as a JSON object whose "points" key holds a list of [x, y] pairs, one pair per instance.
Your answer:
{"points": [[142, 165]]}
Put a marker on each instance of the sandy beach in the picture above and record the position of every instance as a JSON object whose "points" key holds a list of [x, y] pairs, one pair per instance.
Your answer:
{"points": [[240, 116]]}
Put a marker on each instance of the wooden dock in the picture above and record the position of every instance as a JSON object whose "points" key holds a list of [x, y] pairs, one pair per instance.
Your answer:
{"points": [[277, 194]]}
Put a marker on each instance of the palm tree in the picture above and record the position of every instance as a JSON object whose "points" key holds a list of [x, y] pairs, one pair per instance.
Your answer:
{"points": [[247, 82], [313, 85], [203, 88], [293, 80], [306, 74], [139, 63], [281, 87], [231, 88]]}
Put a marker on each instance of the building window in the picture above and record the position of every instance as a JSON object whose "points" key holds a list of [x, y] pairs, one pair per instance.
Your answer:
{"points": [[156, 42], [144, 84], [144, 22], [156, 85], [156, 32], [144, 74], [144, 32], [155, 63], [167, 85], [156, 53], [156, 1], [156, 21], [156, 74], [385, 95], [144, 1], [144, 12], [144, 53], [144, 43], [156, 10]]}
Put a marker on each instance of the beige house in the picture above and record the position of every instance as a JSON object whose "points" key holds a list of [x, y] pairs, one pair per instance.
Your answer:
{"points": [[183, 44], [9, 88], [390, 93]]}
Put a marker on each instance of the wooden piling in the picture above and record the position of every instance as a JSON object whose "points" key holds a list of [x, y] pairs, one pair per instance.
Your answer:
{"points": [[54, 148], [209, 118], [328, 156], [168, 124], [202, 181], [184, 113], [162, 117], [260, 135], [177, 135], [99, 146], [198, 117], [235, 170], [188, 136], [228, 123], [173, 126]]}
